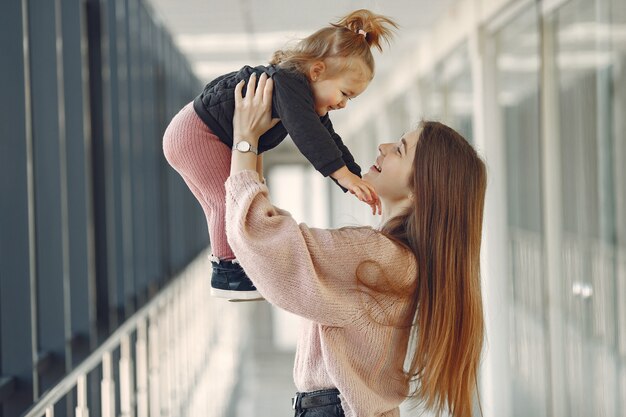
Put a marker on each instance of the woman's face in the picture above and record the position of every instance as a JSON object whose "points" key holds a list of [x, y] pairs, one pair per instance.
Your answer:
{"points": [[391, 173]]}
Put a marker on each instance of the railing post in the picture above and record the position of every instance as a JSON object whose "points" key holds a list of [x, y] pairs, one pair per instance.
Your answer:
{"points": [[127, 389], [167, 374], [178, 354], [142, 370], [107, 386], [81, 397], [186, 335], [153, 360]]}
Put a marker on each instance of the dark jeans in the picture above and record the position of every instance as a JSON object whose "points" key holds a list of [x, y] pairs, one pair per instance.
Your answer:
{"points": [[328, 410]]}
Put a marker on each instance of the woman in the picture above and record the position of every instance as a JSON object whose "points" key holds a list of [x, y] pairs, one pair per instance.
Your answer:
{"points": [[373, 297]]}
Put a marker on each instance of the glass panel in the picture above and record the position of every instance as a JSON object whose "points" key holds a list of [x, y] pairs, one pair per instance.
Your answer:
{"points": [[618, 43], [587, 64], [431, 97], [517, 79], [398, 118], [618, 56], [447, 94]]}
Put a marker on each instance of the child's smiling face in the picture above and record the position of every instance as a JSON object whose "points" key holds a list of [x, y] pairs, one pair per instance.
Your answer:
{"points": [[333, 92]]}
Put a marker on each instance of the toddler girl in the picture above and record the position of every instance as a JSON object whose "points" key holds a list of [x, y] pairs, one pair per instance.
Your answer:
{"points": [[319, 74]]}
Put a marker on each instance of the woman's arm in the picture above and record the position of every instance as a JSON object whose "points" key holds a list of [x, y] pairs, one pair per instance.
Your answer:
{"points": [[308, 272], [259, 168]]}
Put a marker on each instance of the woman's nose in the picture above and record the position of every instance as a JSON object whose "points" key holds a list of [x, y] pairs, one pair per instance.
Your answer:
{"points": [[382, 148]]}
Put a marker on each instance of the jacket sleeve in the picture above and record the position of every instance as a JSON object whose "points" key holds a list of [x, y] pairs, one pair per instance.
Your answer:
{"points": [[346, 155], [294, 104], [309, 272]]}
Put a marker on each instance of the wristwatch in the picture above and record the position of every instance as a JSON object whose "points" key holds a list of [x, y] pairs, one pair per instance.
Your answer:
{"points": [[245, 146]]}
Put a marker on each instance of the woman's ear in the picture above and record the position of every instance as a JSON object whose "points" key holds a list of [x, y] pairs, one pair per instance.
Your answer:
{"points": [[316, 70]]}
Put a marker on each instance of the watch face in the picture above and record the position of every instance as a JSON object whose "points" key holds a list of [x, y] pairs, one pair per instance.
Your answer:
{"points": [[243, 146]]}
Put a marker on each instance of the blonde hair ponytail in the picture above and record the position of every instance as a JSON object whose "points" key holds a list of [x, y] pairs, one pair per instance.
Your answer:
{"points": [[351, 37], [375, 28]]}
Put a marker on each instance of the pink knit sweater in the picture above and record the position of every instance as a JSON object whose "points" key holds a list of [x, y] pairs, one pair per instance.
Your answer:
{"points": [[345, 341]]}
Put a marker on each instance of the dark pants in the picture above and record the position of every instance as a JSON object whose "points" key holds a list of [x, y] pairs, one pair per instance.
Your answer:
{"points": [[323, 403]]}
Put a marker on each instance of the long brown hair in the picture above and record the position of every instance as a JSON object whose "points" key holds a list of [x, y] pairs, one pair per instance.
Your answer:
{"points": [[339, 40], [443, 230]]}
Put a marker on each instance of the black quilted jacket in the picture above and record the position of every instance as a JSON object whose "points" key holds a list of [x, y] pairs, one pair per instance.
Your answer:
{"points": [[292, 103]]}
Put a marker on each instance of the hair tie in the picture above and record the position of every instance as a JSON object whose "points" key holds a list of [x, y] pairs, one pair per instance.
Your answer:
{"points": [[362, 32]]}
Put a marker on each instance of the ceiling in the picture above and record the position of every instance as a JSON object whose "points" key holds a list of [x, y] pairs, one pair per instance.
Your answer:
{"points": [[221, 36]]}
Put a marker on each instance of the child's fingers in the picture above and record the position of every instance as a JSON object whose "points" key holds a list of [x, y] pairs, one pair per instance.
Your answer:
{"points": [[366, 192], [368, 195], [359, 194], [370, 187], [374, 198], [372, 205]]}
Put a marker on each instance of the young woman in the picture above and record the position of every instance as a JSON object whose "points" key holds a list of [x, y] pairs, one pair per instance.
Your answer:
{"points": [[373, 297]]}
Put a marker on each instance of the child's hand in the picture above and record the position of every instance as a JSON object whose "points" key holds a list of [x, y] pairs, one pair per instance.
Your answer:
{"points": [[362, 190]]}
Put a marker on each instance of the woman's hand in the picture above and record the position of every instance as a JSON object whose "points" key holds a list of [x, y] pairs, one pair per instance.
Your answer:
{"points": [[253, 117], [253, 113]]}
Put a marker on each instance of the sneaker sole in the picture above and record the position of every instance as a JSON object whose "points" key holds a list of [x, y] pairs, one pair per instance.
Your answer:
{"points": [[236, 296]]}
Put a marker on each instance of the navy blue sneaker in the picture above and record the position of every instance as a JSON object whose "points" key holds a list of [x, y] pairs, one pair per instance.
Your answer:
{"points": [[230, 281]]}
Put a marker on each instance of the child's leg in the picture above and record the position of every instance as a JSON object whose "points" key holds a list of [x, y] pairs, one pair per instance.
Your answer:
{"points": [[204, 163]]}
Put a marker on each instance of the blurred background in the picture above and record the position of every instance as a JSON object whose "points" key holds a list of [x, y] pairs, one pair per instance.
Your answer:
{"points": [[104, 305]]}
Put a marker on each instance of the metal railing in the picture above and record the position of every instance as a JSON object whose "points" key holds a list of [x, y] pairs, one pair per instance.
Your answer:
{"points": [[178, 355]]}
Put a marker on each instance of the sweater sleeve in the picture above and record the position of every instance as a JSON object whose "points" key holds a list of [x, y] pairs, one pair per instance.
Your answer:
{"points": [[294, 104], [309, 272]]}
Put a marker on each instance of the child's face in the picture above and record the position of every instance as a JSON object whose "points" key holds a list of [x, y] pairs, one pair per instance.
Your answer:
{"points": [[333, 93]]}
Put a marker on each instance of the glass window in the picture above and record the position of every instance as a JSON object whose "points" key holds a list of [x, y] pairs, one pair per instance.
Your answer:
{"points": [[517, 95], [397, 118], [618, 56], [588, 65], [447, 94]]}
